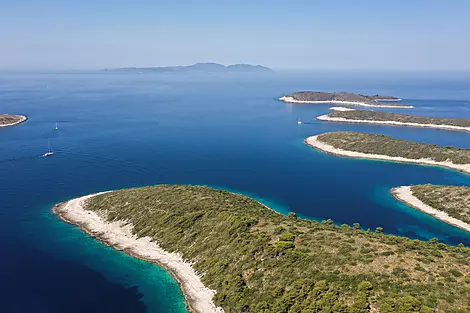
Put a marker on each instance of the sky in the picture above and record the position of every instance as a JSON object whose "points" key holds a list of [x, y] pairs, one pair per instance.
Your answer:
{"points": [[296, 34]]}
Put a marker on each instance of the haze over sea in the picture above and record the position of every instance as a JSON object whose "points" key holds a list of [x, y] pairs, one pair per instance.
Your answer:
{"points": [[224, 130]]}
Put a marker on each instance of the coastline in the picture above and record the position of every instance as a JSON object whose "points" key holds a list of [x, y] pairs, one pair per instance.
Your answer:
{"points": [[388, 100], [405, 195], [341, 109], [317, 144], [393, 123], [118, 235], [23, 118], [378, 105]]}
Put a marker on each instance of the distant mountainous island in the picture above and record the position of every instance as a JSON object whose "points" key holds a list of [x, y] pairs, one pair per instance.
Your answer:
{"points": [[198, 67]]}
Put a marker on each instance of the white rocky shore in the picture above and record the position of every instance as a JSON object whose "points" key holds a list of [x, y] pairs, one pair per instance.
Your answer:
{"points": [[405, 194], [314, 142], [378, 105], [119, 236], [341, 109], [392, 123], [22, 118]]}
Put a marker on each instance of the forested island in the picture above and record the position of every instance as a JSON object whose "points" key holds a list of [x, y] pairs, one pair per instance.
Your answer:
{"points": [[374, 117], [253, 259], [347, 98], [450, 204], [381, 147], [10, 120], [196, 68]]}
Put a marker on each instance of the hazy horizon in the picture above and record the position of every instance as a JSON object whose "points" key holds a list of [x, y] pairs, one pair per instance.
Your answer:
{"points": [[338, 35]]}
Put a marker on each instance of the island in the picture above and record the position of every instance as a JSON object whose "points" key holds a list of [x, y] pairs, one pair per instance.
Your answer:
{"points": [[196, 68], [10, 120], [231, 253], [381, 147], [383, 98], [347, 98], [394, 119], [450, 204]]}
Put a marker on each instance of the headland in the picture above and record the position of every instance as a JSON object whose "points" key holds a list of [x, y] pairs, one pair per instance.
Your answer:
{"points": [[450, 204], [381, 147], [231, 253], [345, 98], [393, 119]]}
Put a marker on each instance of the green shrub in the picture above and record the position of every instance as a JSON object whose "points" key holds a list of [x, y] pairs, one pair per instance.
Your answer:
{"points": [[287, 237], [365, 287], [455, 272], [292, 215]]}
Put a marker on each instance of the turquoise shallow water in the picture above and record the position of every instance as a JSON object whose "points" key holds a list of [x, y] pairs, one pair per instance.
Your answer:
{"points": [[118, 131]]}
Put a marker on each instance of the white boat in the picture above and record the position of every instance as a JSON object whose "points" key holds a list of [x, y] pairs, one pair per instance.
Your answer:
{"points": [[56, 127], [299, 122], [48, 153]]}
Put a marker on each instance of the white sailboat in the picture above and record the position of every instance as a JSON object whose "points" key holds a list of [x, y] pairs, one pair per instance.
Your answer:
{"points": [[299, 121], [49, 152], [56, 127]]}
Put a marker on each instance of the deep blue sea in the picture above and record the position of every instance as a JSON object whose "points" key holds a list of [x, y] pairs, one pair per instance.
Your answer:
{"points": [[230, 131]]}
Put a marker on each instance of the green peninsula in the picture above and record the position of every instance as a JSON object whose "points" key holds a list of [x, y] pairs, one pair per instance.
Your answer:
{"points": [[257, 260], [374, 117], [454, 200], [381, 147]]}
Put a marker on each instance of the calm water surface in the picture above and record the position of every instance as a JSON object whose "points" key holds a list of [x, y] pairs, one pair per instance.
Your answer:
{"points": [[118, 131]]}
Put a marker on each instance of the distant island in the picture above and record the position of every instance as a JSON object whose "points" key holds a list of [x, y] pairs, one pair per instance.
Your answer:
{"points": [[347, 98], [381, 147], [373, 117], [450, 204], [196, 68], [10, 120], [232, 254]]}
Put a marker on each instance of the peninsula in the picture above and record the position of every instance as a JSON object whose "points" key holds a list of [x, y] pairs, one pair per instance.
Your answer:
{"points": [[196, 68], [232, 254], [381, 147], [10, 120], [346, 98], [450, 204], [384, 118]]}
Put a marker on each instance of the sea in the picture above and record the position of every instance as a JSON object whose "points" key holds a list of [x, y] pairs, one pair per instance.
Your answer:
{"points": [[228, 131]]}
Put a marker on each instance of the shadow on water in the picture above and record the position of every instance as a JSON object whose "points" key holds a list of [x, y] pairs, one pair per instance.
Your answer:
{"points": [[59, 286]]}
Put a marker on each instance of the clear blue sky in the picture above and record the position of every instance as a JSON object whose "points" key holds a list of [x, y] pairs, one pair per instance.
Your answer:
{"points": [[307, 34]]}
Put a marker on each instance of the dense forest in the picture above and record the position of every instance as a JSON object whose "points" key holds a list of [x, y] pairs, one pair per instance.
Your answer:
{"points": [[258, 260]]}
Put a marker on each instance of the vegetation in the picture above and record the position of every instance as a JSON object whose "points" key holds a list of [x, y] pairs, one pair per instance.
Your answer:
{"points": [[454, 200], [385, 145], [258, 260], [403, 118], [340, 96], [6, 119]]}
